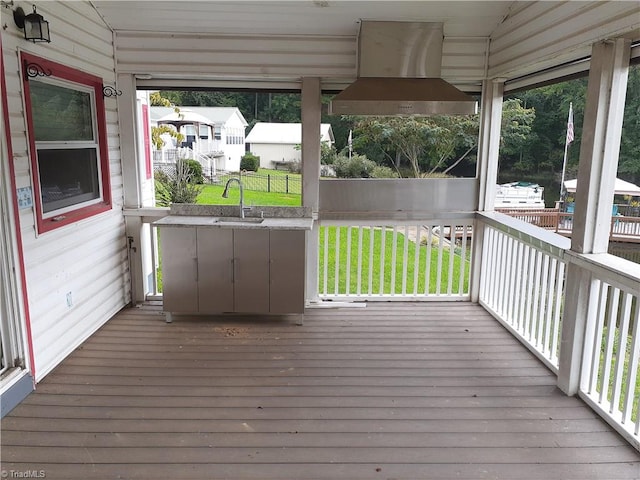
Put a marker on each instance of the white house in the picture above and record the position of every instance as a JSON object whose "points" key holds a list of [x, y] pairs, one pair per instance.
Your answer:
{"points": [[278, 144], [214, 132]]}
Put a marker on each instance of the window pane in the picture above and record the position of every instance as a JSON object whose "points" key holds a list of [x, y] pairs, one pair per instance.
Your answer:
{"points": [[68, 176], [59, 113]]}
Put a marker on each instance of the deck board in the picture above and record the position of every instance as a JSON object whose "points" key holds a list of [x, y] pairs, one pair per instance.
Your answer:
{"points": [[393, 390]]}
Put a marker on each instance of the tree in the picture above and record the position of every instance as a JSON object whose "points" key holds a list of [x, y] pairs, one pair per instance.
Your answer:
{"points": [[157, 132], [419, 146]]}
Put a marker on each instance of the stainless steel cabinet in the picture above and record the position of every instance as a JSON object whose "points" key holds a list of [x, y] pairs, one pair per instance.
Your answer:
{"points": [[215, 270]]}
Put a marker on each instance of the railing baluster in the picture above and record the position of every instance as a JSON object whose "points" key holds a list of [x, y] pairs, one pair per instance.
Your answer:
{"points": [[440, 255], [559, 295], [634, 359], [463, 260], [348, 268], [416, 259], [546, 341], [622, 326], [336, 290], [515, 303], [154, 259], [611, 333], [383, 254], [325, 261], [427, 267], [600, 319], [533, 284], [405, 260], [544, 288], [394, 254], [360, 249], [452, 254], [372, 231]]}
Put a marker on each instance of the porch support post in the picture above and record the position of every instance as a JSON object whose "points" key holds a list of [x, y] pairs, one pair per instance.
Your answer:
{"points": [[131, 182], [599, 149], [311, 117], [488, 146]]}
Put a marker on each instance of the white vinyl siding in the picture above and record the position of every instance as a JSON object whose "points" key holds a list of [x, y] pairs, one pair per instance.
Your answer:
{"points": [[275, 152], [543, 34], [273, 59], [87, 259]]}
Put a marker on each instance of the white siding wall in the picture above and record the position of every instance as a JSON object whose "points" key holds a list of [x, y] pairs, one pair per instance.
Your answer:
{"points": [[233, 152], [88, 258], [275, 152], [536, 34], [272, 58]]}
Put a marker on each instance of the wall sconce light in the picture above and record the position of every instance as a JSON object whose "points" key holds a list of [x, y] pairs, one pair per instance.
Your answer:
{"points": [[35, 27]]}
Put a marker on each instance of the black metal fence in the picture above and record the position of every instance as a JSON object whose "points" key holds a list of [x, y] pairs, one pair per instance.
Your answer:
{"points": [[274, 183]]}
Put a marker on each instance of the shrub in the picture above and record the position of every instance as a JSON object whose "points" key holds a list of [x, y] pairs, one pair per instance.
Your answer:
{"points": [[294, 167], [358, 166], [250, 162], [380, 171], [194, 169], [178, 188]]}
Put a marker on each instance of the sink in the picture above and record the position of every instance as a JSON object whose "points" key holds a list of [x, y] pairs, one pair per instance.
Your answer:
{"points": [[238, 220]]}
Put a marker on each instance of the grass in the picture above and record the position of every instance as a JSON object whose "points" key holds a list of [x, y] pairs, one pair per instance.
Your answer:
{"points": [[389, 284], [212, 195], [256, 190]]}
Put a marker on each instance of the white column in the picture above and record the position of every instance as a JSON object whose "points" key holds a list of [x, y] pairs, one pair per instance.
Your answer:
{"points": [[600, 145], [128, 141], [599, 148], [127, 104], [311, 117], [488, 149]]}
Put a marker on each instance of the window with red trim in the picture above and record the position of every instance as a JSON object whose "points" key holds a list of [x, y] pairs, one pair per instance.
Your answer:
{"points": [[68, 145]]}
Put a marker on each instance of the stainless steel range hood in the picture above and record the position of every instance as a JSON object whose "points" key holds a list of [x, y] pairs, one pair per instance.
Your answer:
{"points": [[399, 67]]}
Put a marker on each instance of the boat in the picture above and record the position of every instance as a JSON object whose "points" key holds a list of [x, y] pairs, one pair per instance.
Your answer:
{"points": [[519, 195]]}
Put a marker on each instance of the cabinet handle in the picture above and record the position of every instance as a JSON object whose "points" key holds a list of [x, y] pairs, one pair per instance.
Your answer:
{"points": [[195, 261], [233, 270]]}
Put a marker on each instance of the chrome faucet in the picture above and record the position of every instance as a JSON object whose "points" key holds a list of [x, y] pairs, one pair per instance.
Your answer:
{"points": [[225, 194]]}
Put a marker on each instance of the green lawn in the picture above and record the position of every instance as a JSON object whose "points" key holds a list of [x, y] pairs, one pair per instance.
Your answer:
{"points": [[212, 195], [375, 270]]}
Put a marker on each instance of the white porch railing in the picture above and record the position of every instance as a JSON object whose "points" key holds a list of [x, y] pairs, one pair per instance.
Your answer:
{"points": [[522, 282], [609, 379], [169, 157], [395, 259]]}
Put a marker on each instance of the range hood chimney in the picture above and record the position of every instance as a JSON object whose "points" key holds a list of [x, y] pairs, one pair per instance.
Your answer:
{"points": [[399, 67]]}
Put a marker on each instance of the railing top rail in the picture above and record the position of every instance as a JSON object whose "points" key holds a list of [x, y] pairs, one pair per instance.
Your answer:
{"points": [[528, 233], [389, 218], [614, 270]]}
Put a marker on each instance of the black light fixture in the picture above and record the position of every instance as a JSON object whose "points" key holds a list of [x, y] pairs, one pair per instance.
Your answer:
{"points": [[35, 27]]}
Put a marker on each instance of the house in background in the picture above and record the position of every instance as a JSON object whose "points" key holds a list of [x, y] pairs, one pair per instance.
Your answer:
{"points": [[278, 144], [215, 135]]}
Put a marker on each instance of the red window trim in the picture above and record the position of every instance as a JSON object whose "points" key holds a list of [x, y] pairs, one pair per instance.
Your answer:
{"points": [[67, 73]]}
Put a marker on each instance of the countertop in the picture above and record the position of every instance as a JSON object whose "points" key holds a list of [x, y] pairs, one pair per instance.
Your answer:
{"points": [[227, 216], [304, 223]]}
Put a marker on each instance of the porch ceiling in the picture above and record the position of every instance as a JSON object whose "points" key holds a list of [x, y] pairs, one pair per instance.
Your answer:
{"points": [[291, 39], [308, 17]]}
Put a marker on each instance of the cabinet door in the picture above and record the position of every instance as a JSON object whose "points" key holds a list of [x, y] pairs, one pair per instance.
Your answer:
{"points": [[179, 269], [287, 249], [215, 270], [251, 270]]}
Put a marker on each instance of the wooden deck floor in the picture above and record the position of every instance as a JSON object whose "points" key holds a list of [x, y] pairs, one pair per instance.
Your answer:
{"points": [[390, 391]]}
